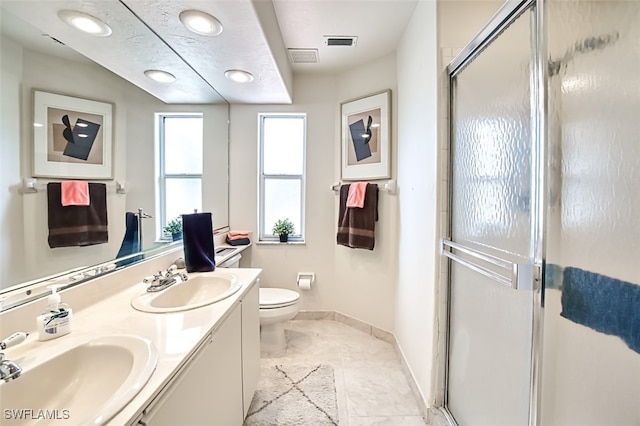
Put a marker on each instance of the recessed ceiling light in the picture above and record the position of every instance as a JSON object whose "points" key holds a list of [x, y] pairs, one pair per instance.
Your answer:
{"points": [[160, 76], [239, 76], [85, 23], [200, 22]]}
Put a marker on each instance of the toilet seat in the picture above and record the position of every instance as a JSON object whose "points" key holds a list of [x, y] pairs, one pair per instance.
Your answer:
{"points": [[273, 298]]}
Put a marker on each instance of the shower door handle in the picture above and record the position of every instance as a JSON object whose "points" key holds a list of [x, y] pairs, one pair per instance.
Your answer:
{"points": [[518, 276]]}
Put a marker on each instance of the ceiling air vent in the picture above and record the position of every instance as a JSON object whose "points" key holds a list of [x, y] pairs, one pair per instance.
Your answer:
{"points": [[303, 56], [349, 41]]}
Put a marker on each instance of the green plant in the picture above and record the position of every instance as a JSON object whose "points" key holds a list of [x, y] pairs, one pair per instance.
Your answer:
{"points": [[283, 227], [174, 226]]}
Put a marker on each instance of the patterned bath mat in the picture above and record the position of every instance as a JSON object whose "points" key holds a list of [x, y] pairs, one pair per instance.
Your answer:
{"points": [[292, 395]]}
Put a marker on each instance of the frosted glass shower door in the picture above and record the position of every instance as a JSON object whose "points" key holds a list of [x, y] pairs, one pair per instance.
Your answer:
{"points": [[490, 323], [591, 349]]}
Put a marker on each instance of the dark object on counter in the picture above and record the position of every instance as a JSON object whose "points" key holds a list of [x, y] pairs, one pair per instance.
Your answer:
{"points": [[239, 242], [199, 252]]}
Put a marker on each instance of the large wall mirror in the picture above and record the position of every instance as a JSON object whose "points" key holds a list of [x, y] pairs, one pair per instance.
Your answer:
{"points": [[31, 62]]}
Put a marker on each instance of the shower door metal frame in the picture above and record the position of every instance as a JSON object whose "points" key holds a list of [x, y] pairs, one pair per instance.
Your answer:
{"points": [[510, 11]]}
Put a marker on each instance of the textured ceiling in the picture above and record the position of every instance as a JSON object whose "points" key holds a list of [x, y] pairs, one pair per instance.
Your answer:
{"points": [[128, 52], [147, 34], [155, 39], [244, 44]]}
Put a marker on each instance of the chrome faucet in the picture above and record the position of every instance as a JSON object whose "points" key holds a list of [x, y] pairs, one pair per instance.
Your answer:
{"points": [[161, 280], [9, 370]]}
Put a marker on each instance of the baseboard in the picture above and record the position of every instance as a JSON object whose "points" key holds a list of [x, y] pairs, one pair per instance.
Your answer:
{"points": [[380, 334], [413, 384]]}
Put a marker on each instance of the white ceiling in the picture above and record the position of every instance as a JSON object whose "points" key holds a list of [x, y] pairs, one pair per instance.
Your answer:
{"points": [[257, 33], [378, 24]]}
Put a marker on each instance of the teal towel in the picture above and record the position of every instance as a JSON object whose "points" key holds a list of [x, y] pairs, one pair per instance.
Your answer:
{"points": [[604, 304]]}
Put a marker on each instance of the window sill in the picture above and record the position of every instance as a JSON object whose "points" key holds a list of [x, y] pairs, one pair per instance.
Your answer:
{"points": [[278, 243]]}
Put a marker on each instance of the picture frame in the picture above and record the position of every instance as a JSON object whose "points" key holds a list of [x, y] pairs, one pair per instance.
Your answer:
{"points": [[366, 137], [72, 137]]}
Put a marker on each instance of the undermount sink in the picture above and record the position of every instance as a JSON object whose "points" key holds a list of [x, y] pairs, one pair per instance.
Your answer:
{"points": [[86, 384], [204, 289]]}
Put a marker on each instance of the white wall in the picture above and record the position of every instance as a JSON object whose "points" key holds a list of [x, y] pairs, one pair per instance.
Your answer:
{"points": [[418, 161], [367, 279], [358, 283], [11, 240], [141, 149], [460, 21], [315, 96], [84, 80]]}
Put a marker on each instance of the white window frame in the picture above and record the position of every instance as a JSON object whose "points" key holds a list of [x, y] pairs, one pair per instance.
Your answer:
{"points": [[264, 230], [161, 195]]}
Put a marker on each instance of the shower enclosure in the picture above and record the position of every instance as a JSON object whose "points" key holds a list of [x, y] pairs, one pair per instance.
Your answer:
{"points": [[544, 242]]}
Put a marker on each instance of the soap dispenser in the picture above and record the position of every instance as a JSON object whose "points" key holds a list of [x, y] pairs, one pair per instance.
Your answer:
{"points": [[55, 321]]}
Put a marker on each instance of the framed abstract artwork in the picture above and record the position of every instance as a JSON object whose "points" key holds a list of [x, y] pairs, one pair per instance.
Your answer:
{"points": [[366, 135], [72, 137]]}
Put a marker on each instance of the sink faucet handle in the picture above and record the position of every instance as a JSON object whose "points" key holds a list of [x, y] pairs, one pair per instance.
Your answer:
{"points": [[14, 339], [150, 279], [172, 268]]}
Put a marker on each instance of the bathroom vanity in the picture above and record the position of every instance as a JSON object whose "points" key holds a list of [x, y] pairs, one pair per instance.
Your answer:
{"points": [[207, 359], [216, 384]]}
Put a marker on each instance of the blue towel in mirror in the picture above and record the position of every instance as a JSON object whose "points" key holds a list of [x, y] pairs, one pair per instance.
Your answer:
{"points": [[131, 241], [197, 233]]}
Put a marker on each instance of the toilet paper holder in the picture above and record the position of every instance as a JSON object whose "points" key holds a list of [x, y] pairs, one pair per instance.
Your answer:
{"points": [[306, 277]]}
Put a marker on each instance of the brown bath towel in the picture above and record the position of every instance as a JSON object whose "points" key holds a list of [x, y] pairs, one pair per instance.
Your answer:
{"points": [[356, 226], [77, 225]]}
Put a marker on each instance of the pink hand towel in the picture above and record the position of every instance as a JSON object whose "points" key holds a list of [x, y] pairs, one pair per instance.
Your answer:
{"points": [[356, 195], [75, 193], [237, 235]]}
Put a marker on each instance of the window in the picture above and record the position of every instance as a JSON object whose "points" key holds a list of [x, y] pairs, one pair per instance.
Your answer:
{"points": [[180, 165], [282, 173]]}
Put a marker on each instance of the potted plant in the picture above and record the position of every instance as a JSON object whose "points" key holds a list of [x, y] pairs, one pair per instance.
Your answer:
{"points": [[174, 227], [283, 227]]}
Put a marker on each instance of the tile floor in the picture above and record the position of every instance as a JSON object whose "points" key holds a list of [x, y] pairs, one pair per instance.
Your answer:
{"points": [[370, 385]]}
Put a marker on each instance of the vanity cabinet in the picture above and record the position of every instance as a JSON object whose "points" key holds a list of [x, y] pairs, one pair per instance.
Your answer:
{"points": [[208, 390], [216, 385], [250, 344]]}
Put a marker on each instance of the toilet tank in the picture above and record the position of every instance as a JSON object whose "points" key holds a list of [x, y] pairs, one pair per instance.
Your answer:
{"points": [[233, 262]]}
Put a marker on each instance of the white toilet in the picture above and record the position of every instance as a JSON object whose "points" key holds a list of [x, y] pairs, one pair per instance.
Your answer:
{"points": [[277, 305]]}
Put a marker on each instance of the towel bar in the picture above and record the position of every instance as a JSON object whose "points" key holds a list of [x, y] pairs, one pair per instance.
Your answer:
{"points": [[518, 276], [31, 186], [389, 186]]}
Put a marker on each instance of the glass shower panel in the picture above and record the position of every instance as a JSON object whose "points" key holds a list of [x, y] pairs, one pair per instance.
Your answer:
{"points": [[591, 349], [491, 324], [492, 147]]}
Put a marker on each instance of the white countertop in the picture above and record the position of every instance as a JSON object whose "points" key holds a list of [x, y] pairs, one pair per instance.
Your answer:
{"points": [[233, 250], [175, 335]]}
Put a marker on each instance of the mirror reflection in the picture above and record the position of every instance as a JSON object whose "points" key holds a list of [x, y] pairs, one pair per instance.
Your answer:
{"points": [[158, 151]]}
